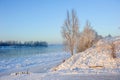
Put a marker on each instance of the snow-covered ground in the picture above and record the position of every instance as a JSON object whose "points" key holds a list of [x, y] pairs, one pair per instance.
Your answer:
{"points": [[62, 76], [96, 63], [38, 63], [97, 58]]}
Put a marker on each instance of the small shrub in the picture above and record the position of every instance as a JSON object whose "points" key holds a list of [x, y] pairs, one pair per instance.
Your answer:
{"points": [[113, 50], [87, 38]]}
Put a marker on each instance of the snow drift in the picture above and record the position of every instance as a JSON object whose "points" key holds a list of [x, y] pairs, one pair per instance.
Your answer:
{"points": [[99, 56]]}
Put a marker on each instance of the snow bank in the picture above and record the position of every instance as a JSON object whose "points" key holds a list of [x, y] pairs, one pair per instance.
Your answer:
{"points": [[97, 57]]}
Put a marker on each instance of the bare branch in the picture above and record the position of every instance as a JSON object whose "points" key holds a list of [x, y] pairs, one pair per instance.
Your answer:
{"points": [[70, 31]]}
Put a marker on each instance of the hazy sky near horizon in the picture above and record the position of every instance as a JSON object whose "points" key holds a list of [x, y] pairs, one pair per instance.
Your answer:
{"points": [[32, 20]]}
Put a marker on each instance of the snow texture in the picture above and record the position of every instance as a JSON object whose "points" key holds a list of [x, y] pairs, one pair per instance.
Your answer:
{"points": [[96, 59]]}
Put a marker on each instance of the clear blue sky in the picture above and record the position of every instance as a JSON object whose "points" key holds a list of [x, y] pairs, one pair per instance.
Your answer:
{"points": [[27, 20]]}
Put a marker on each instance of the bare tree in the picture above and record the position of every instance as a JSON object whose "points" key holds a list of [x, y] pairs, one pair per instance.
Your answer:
{"points": [[87, 38], [70, 30]]}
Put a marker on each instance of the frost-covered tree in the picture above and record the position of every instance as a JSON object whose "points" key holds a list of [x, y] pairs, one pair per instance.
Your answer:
{"points": [[70, 31], [86, 38]]}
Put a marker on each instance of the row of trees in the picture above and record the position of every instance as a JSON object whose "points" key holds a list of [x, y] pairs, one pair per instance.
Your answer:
{"points": [[27, 43], [74, 40]]}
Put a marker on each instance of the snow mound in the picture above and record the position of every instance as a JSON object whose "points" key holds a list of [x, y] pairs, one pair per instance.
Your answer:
{"points": [[97, 57]]}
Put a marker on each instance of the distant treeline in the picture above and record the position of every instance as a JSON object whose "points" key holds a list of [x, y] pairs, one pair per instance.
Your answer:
{"points": [[27, 43]]}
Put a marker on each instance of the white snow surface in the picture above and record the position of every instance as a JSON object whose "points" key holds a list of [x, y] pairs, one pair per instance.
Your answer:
{"points": [[95, 63], [62, 76], [95, 59]]}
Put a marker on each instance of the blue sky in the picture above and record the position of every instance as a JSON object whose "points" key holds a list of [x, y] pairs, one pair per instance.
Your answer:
{"points": [[32, 20]]}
